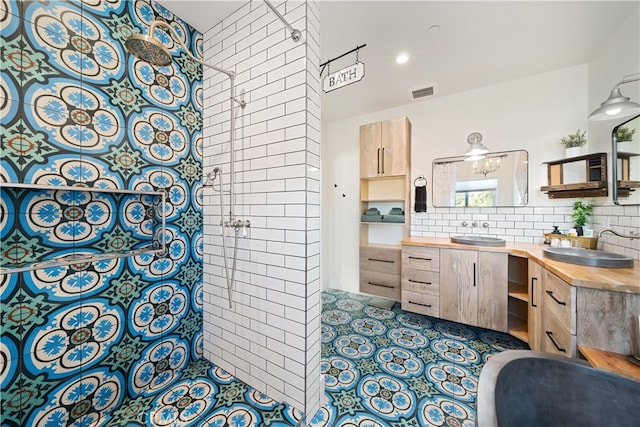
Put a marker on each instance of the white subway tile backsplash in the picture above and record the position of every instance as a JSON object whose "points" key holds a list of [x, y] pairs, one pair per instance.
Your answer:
{"points": [[287, 70], [288, 95], [265, 42], [296, 131], [266, 90], [286, 121], [277, 188], [528, 225]]}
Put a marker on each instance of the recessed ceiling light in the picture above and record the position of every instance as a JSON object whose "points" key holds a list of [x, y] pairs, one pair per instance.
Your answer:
{"points": [[434, 29], [402, 58]]}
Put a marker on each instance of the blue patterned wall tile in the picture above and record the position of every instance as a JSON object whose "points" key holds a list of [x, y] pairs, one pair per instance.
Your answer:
{"points": [[82, 115], [89, 400], [9, 99], [9, 7], [76, 336]]}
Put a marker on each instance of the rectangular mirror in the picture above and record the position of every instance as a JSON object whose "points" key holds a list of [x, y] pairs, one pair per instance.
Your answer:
{"points": [[626, 165], [500, 179]]}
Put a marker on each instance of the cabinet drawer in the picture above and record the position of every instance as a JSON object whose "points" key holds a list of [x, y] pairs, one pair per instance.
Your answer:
{"points": [[556, 338], [421, 258], [560, 299], [420, 303], [384, 260], [381, 284], [421, 281]]}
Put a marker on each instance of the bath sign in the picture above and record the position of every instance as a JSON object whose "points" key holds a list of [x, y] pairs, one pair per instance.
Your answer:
{"points": [[344, 77]]}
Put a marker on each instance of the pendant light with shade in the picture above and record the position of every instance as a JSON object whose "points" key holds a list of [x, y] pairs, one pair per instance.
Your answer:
{"points": [[617, 105]]}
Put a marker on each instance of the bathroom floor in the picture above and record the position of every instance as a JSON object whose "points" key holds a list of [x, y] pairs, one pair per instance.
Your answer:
{"points": [[399, 369], [205, 395], [382, 368]]}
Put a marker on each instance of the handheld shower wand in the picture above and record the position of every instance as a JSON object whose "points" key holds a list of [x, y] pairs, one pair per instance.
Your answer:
{"points": [[150, 49]]}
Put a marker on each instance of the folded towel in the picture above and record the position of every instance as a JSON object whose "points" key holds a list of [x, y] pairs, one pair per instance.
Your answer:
{"points": [[371, 218], [396, 211], [393, 218], [372, 211]]}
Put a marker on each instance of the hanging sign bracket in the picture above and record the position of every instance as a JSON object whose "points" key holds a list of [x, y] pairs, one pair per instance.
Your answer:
{"points": [[346, 76]]}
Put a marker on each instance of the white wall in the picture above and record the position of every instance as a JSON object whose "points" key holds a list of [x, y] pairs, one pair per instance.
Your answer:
{"points": [[532, 113], [270, 338], [618, 56]]}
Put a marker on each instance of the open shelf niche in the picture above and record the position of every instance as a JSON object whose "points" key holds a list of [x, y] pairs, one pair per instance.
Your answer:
{"points": [[518, 303]]}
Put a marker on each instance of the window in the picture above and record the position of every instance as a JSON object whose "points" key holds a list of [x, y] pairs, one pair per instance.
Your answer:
{"points": [[477, 193]]}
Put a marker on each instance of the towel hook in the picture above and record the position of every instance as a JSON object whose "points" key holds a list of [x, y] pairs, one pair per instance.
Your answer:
{"points": [[422, 179]]}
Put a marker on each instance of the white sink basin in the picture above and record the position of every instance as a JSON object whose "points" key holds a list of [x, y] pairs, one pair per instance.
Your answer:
{"points": [[592, 258], [478, 240]]}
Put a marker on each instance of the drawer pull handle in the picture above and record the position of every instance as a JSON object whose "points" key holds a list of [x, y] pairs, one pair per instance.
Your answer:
{"points": [[420, 258], [550, 335], [474, 274], [417, 303], [418, 281], [381, 285], [381, 260], [532, 292], [550, 293]]}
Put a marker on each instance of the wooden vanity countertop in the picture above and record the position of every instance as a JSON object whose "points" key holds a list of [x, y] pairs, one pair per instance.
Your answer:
{"points": [[609, 279]]}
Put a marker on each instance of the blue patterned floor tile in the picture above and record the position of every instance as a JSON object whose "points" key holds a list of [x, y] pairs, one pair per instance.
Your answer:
{"points": [[399, 369]]}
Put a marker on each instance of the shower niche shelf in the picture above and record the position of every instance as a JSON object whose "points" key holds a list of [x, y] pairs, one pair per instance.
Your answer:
{"points": [[155, 247]]}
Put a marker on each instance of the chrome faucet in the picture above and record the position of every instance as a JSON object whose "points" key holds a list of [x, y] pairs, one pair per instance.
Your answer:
{"points": [[631, 236]]}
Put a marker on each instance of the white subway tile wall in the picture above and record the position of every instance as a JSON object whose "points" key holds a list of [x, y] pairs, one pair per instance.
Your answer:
{"points": [[271, 337], [528, 224]]}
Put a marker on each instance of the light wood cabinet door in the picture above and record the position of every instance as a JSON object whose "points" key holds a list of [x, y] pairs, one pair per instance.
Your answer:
{"points": [[492, 290], [474, 288], [458, 286], [385, 148], [370, 150], [535, 306], [394, 142]]}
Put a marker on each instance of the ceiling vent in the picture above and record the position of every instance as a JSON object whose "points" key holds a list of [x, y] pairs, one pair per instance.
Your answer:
{"points": [[423, 91]]}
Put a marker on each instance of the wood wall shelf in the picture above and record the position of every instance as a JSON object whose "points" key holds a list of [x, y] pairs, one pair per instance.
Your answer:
{"points": [[595, 177]]}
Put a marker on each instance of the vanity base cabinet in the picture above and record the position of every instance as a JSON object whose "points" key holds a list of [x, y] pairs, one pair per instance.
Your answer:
{"points": [[605, 319], [380, 271], [493, 291], [559, 316], [473, 288], [421, 280]]}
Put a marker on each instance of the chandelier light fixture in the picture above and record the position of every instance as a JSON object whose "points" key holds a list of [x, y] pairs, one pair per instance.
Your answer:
{"points": [[486, 166]]}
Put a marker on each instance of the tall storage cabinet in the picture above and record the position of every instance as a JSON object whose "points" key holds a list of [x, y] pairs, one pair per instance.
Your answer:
{"points": [[385, 183]]}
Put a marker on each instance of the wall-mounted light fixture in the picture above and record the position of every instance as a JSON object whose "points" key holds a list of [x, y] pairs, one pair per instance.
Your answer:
{"points": [[617, 105], [476, 150]]}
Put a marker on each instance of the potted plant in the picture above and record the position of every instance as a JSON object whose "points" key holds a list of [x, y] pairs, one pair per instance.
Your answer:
{"points": [[581, 214], [624, 136], [574, 142]]}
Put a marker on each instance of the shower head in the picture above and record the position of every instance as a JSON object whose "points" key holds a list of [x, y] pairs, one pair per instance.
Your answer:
{"points": [[148, 48]]}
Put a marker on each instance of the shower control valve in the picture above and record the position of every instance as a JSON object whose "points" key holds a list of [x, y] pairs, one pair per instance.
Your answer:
{"points": [[237, 223]]}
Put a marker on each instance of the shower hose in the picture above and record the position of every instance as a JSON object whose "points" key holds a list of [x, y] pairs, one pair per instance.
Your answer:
{"points": [[230, 277]]}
